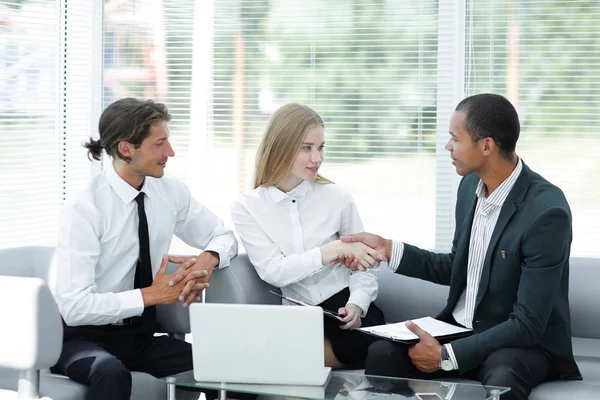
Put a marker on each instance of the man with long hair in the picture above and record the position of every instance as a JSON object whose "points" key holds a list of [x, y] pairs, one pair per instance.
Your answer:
{"points": [[111, 256]]}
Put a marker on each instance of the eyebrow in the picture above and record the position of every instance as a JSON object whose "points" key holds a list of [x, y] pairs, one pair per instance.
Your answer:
{"points": [[311, 143], [164, 137], [452, 134]]}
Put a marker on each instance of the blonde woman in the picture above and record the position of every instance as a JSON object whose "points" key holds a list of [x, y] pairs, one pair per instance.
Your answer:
{"points": [[290, 225]]}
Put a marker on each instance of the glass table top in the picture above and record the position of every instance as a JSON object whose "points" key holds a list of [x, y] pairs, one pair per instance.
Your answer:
{"points": [[347, 385]]}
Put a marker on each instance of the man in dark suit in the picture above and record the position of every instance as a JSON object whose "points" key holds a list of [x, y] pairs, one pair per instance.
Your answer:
{"points": [[508, 269]]}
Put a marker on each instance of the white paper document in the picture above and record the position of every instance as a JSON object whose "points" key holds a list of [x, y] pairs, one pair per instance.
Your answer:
{"points": [[400, 333]]}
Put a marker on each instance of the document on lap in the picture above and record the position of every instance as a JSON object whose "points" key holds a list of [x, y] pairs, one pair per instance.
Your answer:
{"points": [[398, 332], [301, 303]]}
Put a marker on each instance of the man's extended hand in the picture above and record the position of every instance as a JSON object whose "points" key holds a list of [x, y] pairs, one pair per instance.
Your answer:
{"points": [[376, 242], [350, 316], [197, 273], [427, 354]]}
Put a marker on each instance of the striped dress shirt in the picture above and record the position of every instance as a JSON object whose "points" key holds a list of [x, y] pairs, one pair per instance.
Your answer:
{"points": [[486, 215]]}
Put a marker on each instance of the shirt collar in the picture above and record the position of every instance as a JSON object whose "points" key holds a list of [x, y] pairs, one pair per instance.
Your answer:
{"points": [[499, 195], [124, 190], [299, 191]]}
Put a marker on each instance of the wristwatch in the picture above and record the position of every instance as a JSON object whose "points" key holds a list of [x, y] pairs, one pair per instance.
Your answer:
{"points": [[445, 362]]}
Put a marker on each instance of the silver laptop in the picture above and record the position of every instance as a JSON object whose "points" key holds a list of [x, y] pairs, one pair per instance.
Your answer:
{"points": [[261, 344]]}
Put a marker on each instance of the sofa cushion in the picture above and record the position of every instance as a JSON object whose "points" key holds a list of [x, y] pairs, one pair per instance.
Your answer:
{"points": [[565, 390]]}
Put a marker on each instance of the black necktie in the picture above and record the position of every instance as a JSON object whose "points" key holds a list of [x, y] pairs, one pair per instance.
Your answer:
{"points": [[143, 269]]}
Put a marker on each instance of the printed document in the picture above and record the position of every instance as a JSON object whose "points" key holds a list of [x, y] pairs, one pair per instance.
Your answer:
{"points": [[398, 332]]}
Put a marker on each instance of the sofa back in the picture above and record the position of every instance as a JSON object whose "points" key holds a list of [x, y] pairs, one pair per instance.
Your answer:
{"points": [[402, 298], [584, 297], [240, 284]]}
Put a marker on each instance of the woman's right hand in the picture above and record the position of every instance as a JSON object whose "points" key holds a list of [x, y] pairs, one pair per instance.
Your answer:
{"points": [[366, 256]]}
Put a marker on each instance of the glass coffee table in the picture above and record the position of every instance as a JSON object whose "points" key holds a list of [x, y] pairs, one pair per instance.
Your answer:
{"points": [[347, 385]]}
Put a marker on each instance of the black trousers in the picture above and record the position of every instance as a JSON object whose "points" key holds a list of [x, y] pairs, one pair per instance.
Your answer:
{"points": [[521, 369], [101, 357]]}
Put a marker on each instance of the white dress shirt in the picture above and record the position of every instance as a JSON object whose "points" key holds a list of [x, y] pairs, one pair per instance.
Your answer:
{"points": [[283, 233], [98, 245], [485, 217]]}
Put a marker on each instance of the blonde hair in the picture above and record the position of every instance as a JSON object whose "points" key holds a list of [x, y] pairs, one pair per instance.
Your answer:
{"points": [[281, 142]]}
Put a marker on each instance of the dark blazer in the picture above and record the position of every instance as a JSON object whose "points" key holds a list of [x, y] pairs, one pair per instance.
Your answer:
{"points": [[523, 296]]}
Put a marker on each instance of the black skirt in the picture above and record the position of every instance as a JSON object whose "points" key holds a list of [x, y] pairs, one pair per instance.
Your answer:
{"points": [[349, 346]]}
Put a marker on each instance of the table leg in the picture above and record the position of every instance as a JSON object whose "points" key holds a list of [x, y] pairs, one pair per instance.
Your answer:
{"points": [[171, 388], [222, 394]]}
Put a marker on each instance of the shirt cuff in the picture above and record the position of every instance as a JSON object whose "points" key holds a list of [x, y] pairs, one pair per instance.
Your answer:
{"points": [[361, 299], [312, 261], [448, 347], [131, 303], [221, 246], [396, 256]]}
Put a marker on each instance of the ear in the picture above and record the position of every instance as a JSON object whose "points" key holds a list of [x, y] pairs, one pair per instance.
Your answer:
{"points": [[489, 145], [125, 148]]}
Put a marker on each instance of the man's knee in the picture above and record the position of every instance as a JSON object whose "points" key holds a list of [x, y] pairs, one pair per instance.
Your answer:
{"points": [[500, 375], [386, 358], [502, 368], [110, 368], [383, 349], [103, 373]]}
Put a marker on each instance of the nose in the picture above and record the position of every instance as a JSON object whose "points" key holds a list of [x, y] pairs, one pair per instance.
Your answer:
{"points": [[317, 157], [170, 152], [448, 146]]}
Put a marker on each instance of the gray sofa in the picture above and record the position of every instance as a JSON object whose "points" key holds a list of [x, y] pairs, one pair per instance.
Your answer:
{"points": [[400, 298], [404, 298]]}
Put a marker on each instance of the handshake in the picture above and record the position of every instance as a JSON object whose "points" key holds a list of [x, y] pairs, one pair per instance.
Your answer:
{"points": [[359, 252]]}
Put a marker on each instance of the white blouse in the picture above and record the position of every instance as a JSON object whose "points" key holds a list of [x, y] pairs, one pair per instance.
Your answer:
{"points": [[283, 233]]}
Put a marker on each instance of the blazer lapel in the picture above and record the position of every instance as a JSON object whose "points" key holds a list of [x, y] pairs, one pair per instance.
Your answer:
{"points": [[509, 207], [459, 272], [465, 237]]}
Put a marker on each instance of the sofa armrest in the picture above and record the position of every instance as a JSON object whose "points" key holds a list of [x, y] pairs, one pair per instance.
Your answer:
{"points": [[30, 306]]}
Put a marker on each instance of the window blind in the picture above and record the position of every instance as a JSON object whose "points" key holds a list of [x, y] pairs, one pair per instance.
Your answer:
{"points": [[543, 55], [29, 171], [79, 91]]}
